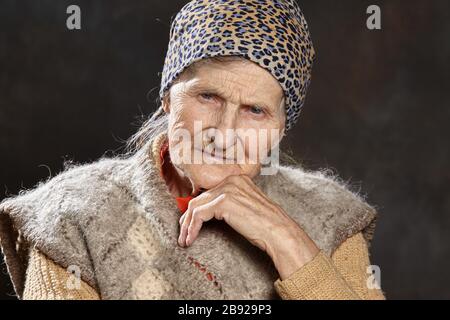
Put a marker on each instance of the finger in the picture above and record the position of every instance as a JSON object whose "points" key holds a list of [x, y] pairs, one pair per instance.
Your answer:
{"points": [[183, 216], [185, 219], [202, 214], [202, 199], [184, 226]]}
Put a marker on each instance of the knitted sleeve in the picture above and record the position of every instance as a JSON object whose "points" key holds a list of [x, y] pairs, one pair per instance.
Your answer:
{"points": [[45, 280], [342, 277]]}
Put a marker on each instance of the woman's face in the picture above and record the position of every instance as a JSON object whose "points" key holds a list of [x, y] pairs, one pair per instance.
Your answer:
{"points": [[229, 110]]}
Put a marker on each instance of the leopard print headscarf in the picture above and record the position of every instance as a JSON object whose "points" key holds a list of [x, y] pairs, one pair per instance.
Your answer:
{"points": [[272, 33]]}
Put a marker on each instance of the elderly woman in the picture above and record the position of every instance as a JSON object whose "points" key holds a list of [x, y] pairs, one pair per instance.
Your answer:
{"points": [[156, 224]]}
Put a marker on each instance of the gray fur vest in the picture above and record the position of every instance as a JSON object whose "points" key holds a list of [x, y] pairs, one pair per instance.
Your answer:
{"points": [[115, 220]]}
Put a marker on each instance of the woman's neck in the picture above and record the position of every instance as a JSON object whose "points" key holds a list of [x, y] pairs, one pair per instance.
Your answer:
{"points": [[178, 184]]}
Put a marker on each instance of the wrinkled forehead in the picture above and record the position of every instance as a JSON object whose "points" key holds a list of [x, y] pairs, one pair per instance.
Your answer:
{"points": [[236, 79]]}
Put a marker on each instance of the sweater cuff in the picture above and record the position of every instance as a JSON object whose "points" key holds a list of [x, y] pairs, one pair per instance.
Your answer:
{"points": [[317, 280]]}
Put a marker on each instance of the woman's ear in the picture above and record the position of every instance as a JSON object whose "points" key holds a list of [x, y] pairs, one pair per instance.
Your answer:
{"points": [[166, 103], [283, 133]]}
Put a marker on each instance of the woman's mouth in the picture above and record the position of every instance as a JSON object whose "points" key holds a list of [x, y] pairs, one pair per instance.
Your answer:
{"points": [[216, 156]]}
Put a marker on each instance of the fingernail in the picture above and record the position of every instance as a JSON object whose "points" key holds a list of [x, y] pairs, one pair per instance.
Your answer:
{"points": [[188, 241]]}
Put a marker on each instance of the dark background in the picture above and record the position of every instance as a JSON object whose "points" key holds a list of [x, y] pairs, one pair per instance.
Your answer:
{"points": [[377, 111]]}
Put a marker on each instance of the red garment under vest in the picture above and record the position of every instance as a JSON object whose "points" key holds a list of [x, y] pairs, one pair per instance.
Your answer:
{"points": [[182, 202]]}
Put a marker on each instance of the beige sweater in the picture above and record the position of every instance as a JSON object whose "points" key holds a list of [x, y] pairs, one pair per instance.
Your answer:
{"points": [[343, 277]]}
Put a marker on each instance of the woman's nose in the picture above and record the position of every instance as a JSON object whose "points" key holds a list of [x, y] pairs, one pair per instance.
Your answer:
{"points": [[222, 139], [225, 128], [228, 117]]}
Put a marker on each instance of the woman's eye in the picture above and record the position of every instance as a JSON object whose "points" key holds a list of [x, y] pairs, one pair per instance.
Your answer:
{"points": [[256, 110], [207, 96]]}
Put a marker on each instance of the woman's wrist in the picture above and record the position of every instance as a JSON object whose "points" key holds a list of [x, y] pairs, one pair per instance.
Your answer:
{"points": [[290, 250]]}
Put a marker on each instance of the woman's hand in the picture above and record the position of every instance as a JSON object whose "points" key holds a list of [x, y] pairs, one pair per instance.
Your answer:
{"points": [[243, 206]]}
